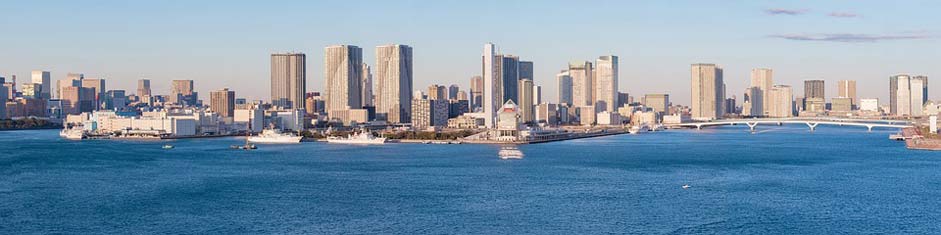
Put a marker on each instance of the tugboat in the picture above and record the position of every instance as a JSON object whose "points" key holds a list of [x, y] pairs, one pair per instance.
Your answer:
{"points": [[364, 137]]}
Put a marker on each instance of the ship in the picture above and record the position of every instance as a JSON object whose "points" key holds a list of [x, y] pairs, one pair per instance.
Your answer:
{"points": [[274, 136], [364, 137], [72, 134]]}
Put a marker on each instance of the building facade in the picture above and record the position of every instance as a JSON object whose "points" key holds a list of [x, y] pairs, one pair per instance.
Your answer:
{"points": [[288, 80], [394, 91], [343, 77], [707, 93]]}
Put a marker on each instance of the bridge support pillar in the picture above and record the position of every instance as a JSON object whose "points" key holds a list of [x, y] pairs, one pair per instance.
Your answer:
{"points": [[812, 125], [751, 125], [699, 127], [870, 127]]}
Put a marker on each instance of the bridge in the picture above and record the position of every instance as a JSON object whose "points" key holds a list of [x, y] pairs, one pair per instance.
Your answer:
{"points": [[812, 123]]}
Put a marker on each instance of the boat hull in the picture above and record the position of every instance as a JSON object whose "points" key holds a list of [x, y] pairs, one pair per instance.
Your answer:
{"points": [[280, 140]]}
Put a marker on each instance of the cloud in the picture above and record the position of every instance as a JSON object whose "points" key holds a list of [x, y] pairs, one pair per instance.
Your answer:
{"points": [[852, 38], [781, 11], [844, 15]]}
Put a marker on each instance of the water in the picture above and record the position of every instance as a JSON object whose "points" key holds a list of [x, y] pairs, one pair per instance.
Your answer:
{"points": [[782, 180]]}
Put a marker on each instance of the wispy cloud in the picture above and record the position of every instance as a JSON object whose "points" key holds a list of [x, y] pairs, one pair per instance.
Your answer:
{"points": [[782, 11], [853, 38], [844, 15]]}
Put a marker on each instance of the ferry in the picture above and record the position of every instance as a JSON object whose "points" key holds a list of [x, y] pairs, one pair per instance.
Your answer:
{"points": [[274, 136], [364, 137], [509, 153], [72, 134]]}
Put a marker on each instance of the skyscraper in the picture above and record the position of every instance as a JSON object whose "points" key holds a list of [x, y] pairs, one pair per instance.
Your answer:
{"points": [[98, 85], [537, 95], [900, 95], [44, 79], [847, 89], [526, 70], [526, 104], [581, 73], [143, 88], [707, 94], [394, 72], [367, 86], [343, 72], [493, 88], [814, 89], [71, 80], [223, 102], [658, 102], [476, 92], [509, 74], [782, 101], [565, 87], [288, 80], [918, 86], [437, 92], [762, 78], [606, 81], [181, 92], [452, 91]]}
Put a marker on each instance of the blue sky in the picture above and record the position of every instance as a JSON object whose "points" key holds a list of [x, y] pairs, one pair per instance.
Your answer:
{"points": [[227, 43]]}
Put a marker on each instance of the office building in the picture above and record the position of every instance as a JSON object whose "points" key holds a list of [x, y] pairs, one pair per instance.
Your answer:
{"points": [[452, 91], [537, 94], [841, 104], [76, 100], [288, 80], [32, 91], [658, 102], [367, 86], [782, 101], [492, 86], [606, 83], [919, 94], [847, 89], [223, 102], [508, 70], [143, 88], [461, 95], [871, 105], [526, 70], [437, 92], [394, 92], [900, 95], [526, 104], [707, 93], [182, 93], [429, 113], [343, 72], [763, 80], [44, 79], [582, 90], [565, 88], [99, 88], [814, 89], [476, 92]]}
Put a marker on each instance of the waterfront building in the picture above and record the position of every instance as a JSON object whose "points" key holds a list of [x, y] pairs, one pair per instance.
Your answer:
{"points": [[394, 92], [586, 115], [526, 104], [565, 87], [606, 83], [900, 95], [115, 100], [143, 87], [288, 80], [847, 89], [730, 106], [782, 101], [429, 113], [658, 102], [76, 99], [44, 79], [3, 98], [814, 89], [476, 92], [249, 116], [582, 90], [453, 89], [608, 118], [466, 121], [815, 105], [182, 93], [350, 117], [492, 94], [644, 118], [313, 103], [508, 123], [762, 79], [707, 93], [223, 102], [343, 73], [871, 105], [841, 104]]}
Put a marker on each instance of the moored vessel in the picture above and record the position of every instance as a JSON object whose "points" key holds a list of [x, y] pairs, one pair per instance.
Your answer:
{"points": [[274, 136], [364, 137]]}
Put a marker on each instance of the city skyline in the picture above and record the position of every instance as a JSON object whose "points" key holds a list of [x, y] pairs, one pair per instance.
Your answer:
{"points": [[876, 52]]}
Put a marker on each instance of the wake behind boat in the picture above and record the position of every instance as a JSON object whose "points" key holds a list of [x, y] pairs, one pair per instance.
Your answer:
{"points": [[364, 137], [274, 136]]}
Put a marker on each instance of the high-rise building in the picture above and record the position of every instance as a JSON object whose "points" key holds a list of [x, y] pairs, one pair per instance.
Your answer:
{"points": [[288, 80], [509, 75], [565, 88], [606, 83], [924, 88], [343, 72], [98, 85], [182, 93], [814, 89], [658, 102], [707, 94], [493, 87], [461, 95], [847, 89], [437, 92], [452, 91], [782, 101], [526, 70], [143, 88], [71, 80], [367, 86], [76, 99], [223, 102], [581, 73], [526, 104], [394, 72], [32, 91], [44, 79], [476, 92], [427, 113], [753, 102], [537, 95], [919, 87], [763, 79], [900, 95]]}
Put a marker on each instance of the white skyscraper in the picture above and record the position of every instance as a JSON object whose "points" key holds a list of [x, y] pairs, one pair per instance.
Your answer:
{"points": [[343, 76], [606, 83], [43, 77], [394, 74], [491, 101]]}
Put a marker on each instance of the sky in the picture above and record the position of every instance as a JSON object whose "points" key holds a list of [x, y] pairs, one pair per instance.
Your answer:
{"points": [[223, 44]]}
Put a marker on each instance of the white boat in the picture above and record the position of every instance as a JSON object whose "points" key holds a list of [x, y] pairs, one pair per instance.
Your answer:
{"points": [[364, 137], [509, 152], [72, 134], [167, 146], [634, 130], [274, 136], [685, 186]]}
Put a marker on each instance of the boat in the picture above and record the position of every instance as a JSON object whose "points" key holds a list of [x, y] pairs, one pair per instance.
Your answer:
{"points": [[634, 130], [364, 137], [72, 134], [274, 136], [510, 152], [244, 147], [167, 146], [685, 186]]}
